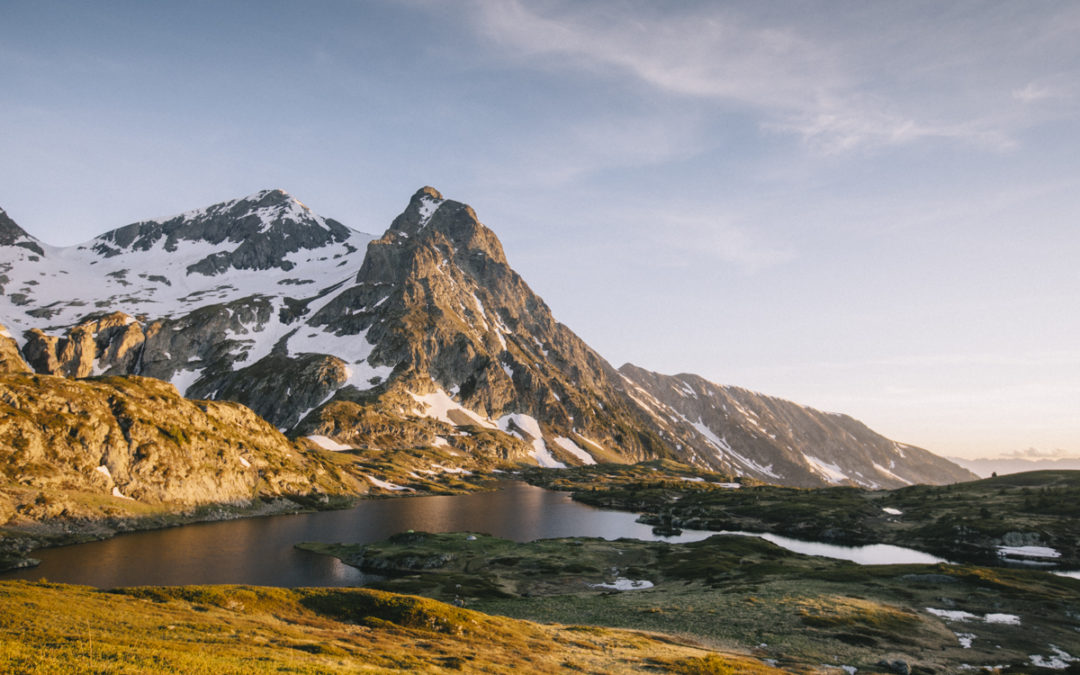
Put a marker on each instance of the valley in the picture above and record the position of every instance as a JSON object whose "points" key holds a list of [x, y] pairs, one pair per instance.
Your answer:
{"points": [[283, 379]]}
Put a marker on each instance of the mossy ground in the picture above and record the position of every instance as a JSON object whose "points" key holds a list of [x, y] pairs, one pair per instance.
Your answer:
{"points": [[964, 522], [47, 628], [743, 593]]}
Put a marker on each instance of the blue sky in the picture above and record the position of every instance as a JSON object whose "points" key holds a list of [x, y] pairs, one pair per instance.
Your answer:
{"points": [[868, 207]]}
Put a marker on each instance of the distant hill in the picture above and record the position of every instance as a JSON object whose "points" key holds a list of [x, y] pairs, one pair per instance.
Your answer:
{"points": [[984, 467]]}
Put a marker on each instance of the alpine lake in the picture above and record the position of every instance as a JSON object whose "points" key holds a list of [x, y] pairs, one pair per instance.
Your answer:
{"points": [[524, 552]]}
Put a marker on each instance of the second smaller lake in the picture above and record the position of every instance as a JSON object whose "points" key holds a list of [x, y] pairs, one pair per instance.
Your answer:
{"points": [[874, 554]]}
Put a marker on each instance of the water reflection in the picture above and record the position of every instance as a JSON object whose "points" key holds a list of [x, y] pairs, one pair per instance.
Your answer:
{"points": [[260, 551], [874, 554]]}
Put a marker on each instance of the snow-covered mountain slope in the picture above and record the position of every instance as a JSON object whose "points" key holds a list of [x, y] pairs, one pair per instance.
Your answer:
{"points": [[424, 337], [779, 441], [268, 245], [202, 295]]}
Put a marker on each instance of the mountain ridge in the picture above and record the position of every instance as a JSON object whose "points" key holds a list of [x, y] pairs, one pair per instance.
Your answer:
{"points": [[325, 331]]}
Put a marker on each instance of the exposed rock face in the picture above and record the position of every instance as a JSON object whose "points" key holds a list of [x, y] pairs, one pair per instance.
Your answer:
{"points": [[441, 305], [11, 361], [426, 336], [782, 442], [136, 438], [13, 235], [106, 345], [265, 227]]}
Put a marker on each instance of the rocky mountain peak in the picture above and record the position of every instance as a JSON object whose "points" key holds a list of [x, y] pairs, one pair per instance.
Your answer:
{"points": [[256, 232], [416, 216]]}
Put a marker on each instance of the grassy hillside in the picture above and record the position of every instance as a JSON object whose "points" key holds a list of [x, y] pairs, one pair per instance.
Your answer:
{"points": [[56, 629]]}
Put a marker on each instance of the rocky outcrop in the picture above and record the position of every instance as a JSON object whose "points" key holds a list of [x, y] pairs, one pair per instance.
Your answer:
{"points": [[104, 345], [13, 235], [136, 438], [11, 361], [440, 304]]}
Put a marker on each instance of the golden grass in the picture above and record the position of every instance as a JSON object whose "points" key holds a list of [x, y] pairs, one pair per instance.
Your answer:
{"points": [[50, 628]]}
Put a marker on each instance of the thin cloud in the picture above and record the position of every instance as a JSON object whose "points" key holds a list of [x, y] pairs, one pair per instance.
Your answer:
{"points": [[835, 94], [686, 238], [957, 359], [1035, 92]]}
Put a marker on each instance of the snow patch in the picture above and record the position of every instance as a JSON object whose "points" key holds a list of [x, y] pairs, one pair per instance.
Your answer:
{"points": [[451, 469], [531, 428], [1059, 661], [116, 493], [952, 614], [574, 449], [591, 442], [244, 463], [183, 379], [439, 405], [891, 511], [961, 616], [830, 472], [104, 470], [890, 474], [327, 443], [1028, 552], [385, 485], [724, 448], [624, 584], [427, 207]]}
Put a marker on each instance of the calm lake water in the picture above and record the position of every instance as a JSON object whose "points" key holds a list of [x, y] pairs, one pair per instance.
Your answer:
{"points": [[259, 551]]}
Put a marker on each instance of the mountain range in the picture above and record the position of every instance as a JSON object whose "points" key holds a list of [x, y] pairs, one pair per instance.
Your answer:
{"points": [[985, 467], [423, 337]]}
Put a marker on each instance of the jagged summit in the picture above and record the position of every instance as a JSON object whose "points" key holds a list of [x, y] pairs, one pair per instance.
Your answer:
{"points": [[13, 235], [264, 227]]}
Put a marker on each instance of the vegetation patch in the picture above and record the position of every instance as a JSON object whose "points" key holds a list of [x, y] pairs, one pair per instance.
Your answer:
{"points": [[739, 593], [970, 522], [50, 628]]}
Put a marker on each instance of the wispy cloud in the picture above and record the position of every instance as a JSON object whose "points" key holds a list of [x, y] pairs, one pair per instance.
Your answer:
{"points": [[836, 92], [1047, 89], [688, 237], [957, 359]]}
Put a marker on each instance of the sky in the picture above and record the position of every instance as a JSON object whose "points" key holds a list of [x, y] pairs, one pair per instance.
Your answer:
{"points": [[865, 207]]}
